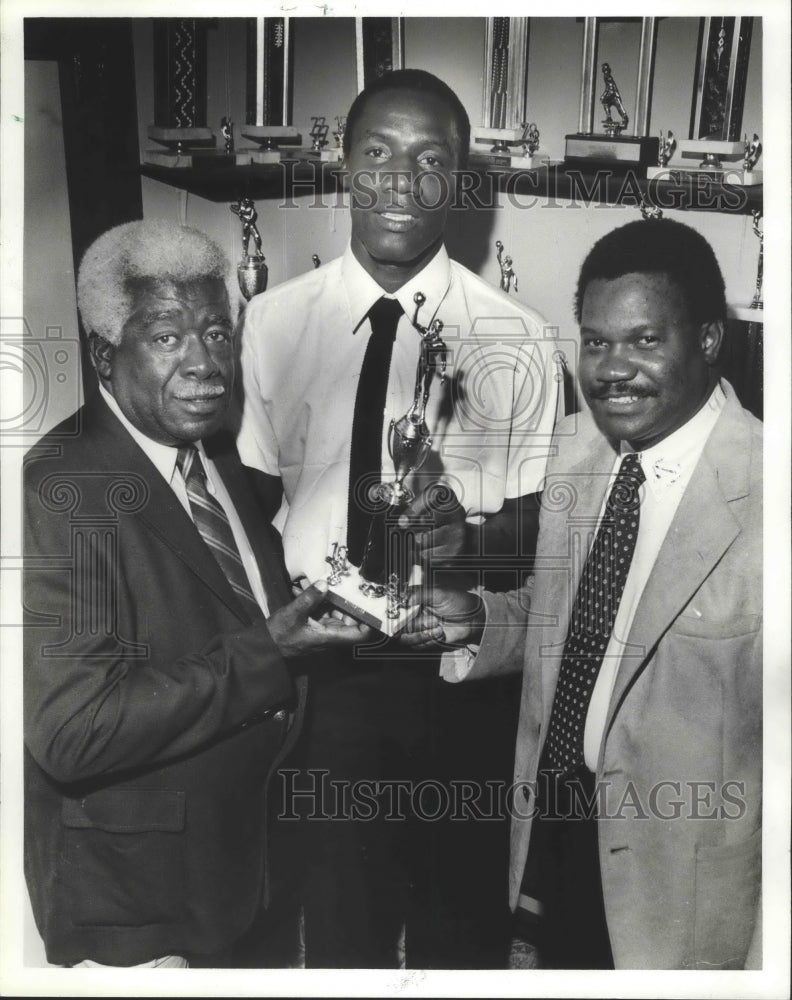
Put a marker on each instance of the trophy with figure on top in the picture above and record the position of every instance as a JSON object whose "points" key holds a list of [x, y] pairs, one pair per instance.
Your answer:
{"points": [[252, 271], [378, 593]]}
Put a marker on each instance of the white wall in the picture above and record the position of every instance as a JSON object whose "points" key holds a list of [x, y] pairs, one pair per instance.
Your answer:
{"points": [[52, 384]]}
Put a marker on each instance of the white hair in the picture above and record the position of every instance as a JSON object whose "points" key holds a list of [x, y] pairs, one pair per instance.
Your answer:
{"points": [[146, 249]]}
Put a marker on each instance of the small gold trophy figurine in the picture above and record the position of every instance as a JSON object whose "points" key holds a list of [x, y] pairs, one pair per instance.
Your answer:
{"points": [[530, 138], [339, 564], [378, 593], [506, 267], [757, 302], [667, 147], [611, 98], [318, 133], [752, 151], [227, 128], [338, 134], [648, 210], [252, 271]]}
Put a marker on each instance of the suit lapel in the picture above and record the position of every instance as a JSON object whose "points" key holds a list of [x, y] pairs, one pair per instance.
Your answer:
{"points": [[584, 483], [162, 515], [702, 529]]}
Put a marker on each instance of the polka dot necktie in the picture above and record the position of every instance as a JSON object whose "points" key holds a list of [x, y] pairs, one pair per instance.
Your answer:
{"points": [[211, 521], [593, 613]]}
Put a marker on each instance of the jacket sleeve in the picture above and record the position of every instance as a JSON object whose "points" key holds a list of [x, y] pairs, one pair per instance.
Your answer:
{"points": [[503, 642], [99, 699]]}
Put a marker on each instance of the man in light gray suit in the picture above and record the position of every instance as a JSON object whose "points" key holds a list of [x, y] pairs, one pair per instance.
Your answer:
{"points": [[636, 836]]}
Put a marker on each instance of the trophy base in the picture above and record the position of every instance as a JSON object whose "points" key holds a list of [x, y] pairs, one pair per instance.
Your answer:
{"points": [[514, 161], [723, 175], [167, 158], [368, 609], [265, 156], [615, 151], [323, 155]]}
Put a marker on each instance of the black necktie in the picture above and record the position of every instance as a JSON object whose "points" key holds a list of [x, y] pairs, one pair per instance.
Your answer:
{"points": [[593, 613], [211, 521], [365, 459]]}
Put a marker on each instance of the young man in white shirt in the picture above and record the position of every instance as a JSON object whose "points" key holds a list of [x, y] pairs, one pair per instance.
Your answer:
{"points": [[305, 344]]}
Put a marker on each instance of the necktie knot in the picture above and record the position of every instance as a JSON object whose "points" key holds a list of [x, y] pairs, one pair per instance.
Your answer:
{"points": [[384, 316], [185, 460], [625, 494]]}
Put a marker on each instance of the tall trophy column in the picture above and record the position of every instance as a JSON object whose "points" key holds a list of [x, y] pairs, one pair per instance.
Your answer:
{"points": [[378, 592]]}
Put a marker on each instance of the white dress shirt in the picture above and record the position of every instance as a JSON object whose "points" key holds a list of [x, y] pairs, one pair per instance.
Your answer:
{"points": [[302, 354], [667, 467], [163, 457]]}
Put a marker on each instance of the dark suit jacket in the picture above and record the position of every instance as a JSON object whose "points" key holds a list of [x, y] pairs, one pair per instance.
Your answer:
{"points": [[154, 709]]}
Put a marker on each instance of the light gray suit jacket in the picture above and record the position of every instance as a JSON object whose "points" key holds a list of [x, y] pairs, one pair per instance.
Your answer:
{"points": [[680, 760]]}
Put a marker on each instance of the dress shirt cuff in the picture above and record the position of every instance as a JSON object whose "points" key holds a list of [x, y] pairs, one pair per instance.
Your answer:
{"points": [[455, 665]]}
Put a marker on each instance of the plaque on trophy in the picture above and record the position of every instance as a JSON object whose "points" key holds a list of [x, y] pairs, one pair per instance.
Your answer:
{"points": [[379, 591]]}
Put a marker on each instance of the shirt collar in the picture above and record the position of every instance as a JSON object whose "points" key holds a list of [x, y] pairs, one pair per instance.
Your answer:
{"points": [[163, 456], [670, 462], [363, 291]]}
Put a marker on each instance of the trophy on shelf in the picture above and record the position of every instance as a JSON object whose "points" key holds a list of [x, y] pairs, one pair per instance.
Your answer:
{"points": [[318, 134], [319, 142], [529, 139], [378, 593], [609, 147], [505, 138], [722, 160], [252, 270], [275, 142], [511, 147], [609, 144]]}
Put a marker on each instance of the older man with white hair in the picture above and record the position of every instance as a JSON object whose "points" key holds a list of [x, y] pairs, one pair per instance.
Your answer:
{"points": [[164, 656]]}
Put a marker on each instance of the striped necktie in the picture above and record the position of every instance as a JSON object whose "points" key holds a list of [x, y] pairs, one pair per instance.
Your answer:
{"points": [[593, 614], [211, 521]]}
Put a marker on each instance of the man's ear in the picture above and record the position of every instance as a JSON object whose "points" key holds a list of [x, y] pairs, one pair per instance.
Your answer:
{"points": [[102, 352], [711, 335]]}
